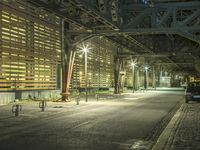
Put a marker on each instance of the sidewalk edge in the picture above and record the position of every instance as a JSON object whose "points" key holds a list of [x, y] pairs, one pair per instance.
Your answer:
{"points": [[166, 136]]}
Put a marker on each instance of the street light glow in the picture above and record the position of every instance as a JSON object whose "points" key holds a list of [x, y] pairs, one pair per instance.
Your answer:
{"points": [[132, 64], [84, 47]]}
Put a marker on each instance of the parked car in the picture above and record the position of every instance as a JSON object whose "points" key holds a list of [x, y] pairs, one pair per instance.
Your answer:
{"points": [[192, 92]]}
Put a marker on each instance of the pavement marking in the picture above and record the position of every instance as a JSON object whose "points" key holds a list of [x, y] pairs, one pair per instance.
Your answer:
{"points": [[131, 98], [136, 144], [81, 124]]}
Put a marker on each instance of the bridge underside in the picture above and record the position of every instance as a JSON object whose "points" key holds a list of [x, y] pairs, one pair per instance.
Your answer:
{"points": [[163, 35], [169, 28]]}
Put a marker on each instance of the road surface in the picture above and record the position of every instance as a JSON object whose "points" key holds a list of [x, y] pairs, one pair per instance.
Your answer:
{"points": [[132, 121]]}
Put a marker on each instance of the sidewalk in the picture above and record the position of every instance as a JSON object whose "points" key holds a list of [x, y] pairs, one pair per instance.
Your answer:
{"points": [[183, 131], [31, 108]]}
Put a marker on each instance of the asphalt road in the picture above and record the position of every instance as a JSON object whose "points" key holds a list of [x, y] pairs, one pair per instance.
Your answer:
{"points": [[133, 121]]}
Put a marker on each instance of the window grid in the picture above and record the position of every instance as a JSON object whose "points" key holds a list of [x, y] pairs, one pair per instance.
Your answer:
{"points": [[30, 47]]}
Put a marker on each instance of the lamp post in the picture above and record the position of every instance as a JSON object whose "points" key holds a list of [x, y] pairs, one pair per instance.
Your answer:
{"points": [[85, 50], [133, 64]]}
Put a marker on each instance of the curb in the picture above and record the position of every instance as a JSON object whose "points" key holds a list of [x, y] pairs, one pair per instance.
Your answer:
{"points": [[166, 137]]}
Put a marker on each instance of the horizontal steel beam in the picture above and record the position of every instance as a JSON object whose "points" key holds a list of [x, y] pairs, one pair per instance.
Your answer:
{"points": [[143, 55], [178, 63], [190, 36], [140, 31], [91, 11], [59, 13], [135, 7]]}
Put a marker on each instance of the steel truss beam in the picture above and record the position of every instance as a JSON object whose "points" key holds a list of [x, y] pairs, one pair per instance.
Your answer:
{"points": [[170, 18], [139, 31], [108, 23], [174, 18], [93, 18]]}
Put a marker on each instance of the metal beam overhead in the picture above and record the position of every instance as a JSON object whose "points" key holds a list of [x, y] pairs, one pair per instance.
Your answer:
{"points": [[94, 18]]}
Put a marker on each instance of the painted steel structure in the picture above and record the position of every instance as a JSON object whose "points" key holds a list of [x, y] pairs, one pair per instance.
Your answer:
{"points": [[168, 31], [137, 26]]}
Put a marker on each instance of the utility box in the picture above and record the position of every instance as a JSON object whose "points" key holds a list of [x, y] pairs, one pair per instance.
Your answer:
{"points": [[165, 81]]}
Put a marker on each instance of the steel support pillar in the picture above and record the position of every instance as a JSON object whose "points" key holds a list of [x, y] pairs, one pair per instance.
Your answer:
{"points": [[1, 62], [133, 77], [145, 79], [68, 56], [137, 84], [158, 76], [154, 78], [122, 76], [117, 75]]}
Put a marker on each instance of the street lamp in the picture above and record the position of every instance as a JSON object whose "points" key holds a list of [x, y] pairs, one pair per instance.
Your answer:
{"points": [[133, 64], [85, 49]]}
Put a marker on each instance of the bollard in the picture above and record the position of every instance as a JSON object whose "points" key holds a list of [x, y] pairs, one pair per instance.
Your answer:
{"points": [[16, 109], [77, 98], [97, 96], [42, 105]]}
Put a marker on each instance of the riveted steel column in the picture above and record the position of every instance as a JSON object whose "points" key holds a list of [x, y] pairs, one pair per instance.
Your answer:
{"points": [[1, 61], [159, 75], [117, 75], [145, 79], [68, 56], [64, 63], [137, 84], [154, 78], [133, 77]]}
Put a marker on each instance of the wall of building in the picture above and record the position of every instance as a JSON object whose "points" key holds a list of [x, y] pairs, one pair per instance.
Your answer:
{"points": [[7, 97], [30, 51], [100, 61], [30, 47]]}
